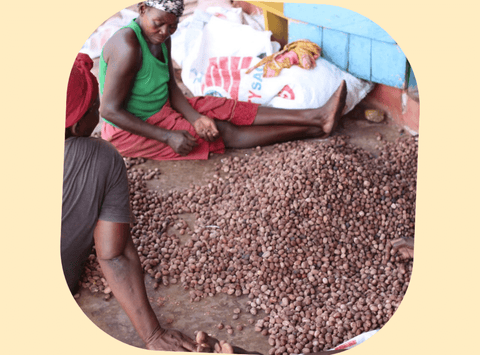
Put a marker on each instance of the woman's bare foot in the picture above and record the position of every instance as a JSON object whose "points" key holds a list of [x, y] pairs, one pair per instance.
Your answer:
{"points": [[325, 117], [328, 116]]}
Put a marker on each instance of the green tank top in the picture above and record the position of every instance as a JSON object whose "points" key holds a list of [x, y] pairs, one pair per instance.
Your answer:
{"points": [[150, 88]]}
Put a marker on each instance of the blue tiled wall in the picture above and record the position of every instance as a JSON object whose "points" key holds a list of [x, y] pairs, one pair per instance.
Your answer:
{"points": [[350, 41]]}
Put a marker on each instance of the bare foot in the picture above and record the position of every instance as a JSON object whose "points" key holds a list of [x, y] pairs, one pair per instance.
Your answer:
{"points": [[328, 116]]}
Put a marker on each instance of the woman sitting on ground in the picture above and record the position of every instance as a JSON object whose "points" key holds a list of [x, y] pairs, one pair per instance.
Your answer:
{"points": [[148, 116]]}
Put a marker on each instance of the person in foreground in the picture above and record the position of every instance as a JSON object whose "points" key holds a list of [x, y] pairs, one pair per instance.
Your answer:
{"points": [[146, 114], [96, 211]]}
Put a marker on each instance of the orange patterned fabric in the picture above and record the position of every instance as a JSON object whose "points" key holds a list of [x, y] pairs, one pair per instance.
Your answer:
{"points": [[303, 53]]}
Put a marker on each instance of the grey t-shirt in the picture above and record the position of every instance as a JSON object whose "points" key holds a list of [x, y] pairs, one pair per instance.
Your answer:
{"points": [[95, 186]]}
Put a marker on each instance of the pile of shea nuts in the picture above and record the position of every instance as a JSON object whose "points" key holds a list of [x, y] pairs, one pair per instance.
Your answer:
{"points": [[303, 229]]}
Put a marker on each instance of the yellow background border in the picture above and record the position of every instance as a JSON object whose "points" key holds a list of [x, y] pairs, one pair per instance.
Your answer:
{"points": [[440, 312]]}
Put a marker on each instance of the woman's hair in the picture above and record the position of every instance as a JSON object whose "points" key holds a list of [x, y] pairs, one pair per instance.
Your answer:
{"points": [[172, 6]]}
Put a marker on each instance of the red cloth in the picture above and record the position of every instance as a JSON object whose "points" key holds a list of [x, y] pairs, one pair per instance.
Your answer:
{"points": [[82, 89], [131, 145]]}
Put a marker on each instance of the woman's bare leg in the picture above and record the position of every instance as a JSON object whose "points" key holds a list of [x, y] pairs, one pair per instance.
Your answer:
{"points": [[325, 117], [251, 136]]}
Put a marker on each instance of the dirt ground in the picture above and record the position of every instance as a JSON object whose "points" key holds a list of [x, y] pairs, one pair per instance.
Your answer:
{"points": [[172, 303]]}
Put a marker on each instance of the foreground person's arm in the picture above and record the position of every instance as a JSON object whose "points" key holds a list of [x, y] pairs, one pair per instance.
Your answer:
{"points": [[122, 270]]}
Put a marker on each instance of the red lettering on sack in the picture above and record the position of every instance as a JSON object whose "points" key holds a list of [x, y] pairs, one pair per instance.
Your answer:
{"points": [[224, 72], [244, 64], [216, 74], [208, 76], [226, 76], [287, 93], [252, 95]]}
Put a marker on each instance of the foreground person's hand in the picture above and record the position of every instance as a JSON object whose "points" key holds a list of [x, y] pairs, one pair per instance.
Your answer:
{"points": [[224, 348], [170, 340], [208, 344], [206, 128], [404, 246], [181, 142]]}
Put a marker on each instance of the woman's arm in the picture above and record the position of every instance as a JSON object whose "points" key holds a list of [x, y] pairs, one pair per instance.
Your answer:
{"points": [[124, 59], [203, 125]]}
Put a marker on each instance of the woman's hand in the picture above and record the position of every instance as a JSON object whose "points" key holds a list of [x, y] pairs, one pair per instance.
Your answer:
{"points": [[206, 128], [181, 142]]}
